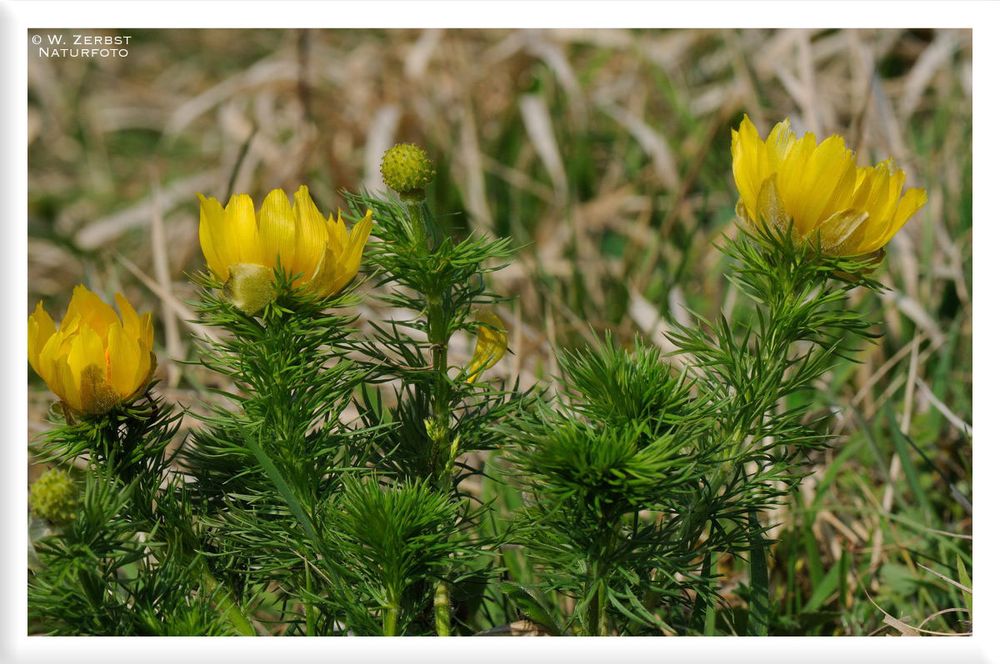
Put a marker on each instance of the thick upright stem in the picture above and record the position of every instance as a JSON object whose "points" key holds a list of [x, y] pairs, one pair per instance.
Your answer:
{"points": [[390, 619], [442, 609], [442, 454], [598, 623]]}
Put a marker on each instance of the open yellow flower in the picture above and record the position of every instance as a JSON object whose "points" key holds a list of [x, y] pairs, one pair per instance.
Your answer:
{"points": [[819, 190], [94, 360], [242, 247], [491, 344]]}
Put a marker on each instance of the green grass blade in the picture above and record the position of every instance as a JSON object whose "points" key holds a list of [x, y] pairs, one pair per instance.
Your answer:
{"points": [[965, 580], [823, 590], [912, 478]]}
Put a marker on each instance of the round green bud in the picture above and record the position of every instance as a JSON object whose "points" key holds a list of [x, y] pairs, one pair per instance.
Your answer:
{"points": [[407, 170], [54, 496]]}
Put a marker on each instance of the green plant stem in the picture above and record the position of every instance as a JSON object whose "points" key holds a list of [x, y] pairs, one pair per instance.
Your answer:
{"points": [[598, 620], [275, 396], [225, 602], [144, 499], [442, 609], [390, 618], [777, 333], [442, 452], [307, 605], [598, 624], [417, 228]]}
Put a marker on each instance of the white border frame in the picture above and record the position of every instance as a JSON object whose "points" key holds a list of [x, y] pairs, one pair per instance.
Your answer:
{"points": [[18, 17]]}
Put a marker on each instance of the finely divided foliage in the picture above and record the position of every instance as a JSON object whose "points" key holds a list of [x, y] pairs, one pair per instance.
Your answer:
{"points": [[338, 486]]}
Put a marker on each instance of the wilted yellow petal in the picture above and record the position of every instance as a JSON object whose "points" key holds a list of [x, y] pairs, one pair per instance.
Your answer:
{"points": [[491, 344]]}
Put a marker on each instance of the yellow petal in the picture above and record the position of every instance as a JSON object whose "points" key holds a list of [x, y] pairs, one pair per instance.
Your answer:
{"points": [[40, 328], [771, 209], [340, 266], [85, 349], [277, 231], [242, 243], [211, 234], [311, 234], [838, 232], [835, 189], [793, 180], [91, 311], [337, 231], [823, 172], [146, 331], [124, 356], [779, 142], [912, 200], [751, 165], [49, 356], [64, 386], [129, 318]]}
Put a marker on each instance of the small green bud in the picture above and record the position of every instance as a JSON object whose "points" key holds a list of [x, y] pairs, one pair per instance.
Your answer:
{"points": [[407, 170], [435, 431], [54, 496], [250, 287]]}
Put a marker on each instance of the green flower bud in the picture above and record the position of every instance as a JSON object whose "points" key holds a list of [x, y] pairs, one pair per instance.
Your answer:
{"points": [[250, 287], [435, 431], [407, 170], [54, 496]]}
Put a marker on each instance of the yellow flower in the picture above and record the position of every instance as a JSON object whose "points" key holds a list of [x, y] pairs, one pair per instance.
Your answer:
{"points": [[491, 344], [245, 246], [94, 360], [820, 190]]}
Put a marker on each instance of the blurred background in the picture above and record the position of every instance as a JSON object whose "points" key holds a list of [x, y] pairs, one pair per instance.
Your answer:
{"points": [[605, 155]]}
